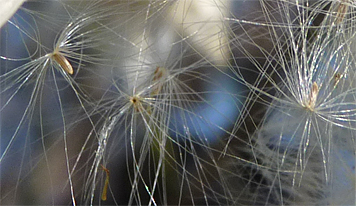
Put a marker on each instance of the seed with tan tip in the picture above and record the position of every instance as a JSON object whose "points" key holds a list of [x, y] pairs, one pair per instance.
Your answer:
{"points": [[63, 62], [313, 95]]}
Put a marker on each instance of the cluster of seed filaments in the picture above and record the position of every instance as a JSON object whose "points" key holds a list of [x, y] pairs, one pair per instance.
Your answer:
{"points": [[310, 104]]}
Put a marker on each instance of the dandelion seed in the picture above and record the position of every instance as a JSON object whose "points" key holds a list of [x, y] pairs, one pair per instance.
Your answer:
{"points": [[44, 89], [137, 103], [313, 96], [62, 61], [106, 184], [307, 118]]}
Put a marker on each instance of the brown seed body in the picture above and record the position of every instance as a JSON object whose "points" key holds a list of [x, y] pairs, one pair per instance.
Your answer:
{"points": [[63, 62], [313, 95], [106, 184]]}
